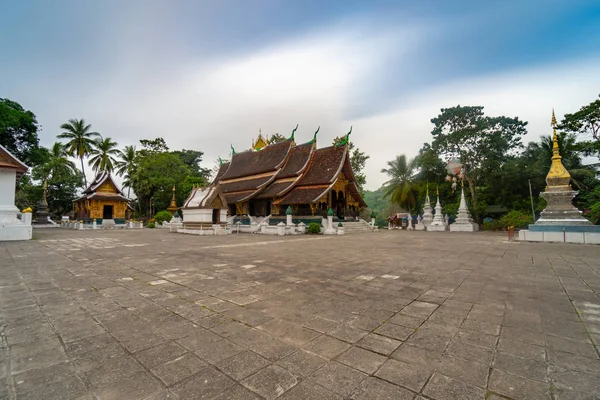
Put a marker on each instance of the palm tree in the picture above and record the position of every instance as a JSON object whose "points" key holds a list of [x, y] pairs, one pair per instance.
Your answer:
{"points": [[58, 163], [401, 188], [126, 165], [80, 140], [103, 153]]}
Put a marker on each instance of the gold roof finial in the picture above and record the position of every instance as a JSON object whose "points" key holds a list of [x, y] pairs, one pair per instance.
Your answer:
{"points": [[558, 177], [173, 206]]}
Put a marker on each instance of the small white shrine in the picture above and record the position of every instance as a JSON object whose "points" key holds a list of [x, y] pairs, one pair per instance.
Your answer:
{"points": [[11, 227], [205, 212], [439, 223], [463, 222], [427, 218]]}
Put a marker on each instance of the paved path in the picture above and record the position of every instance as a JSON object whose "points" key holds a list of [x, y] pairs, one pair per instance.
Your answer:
{"points": [[388, 315]]}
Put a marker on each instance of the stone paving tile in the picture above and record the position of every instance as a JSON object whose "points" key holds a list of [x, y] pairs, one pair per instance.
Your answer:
{"points": [[302, 363], [82, 320], [338, 378], [347, 333], [403, 374], [206, 384], [377, 389], [270, 382], [178, 368], [160, 354], [326, 347], [309, 391], [242, 365], [441, 387], [362, 360], [516, 387]]}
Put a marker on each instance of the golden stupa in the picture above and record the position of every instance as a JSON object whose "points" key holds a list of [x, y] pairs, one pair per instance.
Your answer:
{"points": [[558, 177]]}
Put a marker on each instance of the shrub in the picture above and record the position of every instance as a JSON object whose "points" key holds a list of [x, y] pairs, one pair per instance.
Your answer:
{"points": [[161, 216], [314, 228], [516, 218], [151, 225], [492, 225]]}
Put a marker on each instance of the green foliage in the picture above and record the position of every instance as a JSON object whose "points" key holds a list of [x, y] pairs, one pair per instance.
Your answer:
{"points": [[313, 228], [594, 213], [19, 132], [276, 138], [492, 226], [479, 142], [162, 216], [80, 140], [156, 170], [401, 188], [157, 145], [516, 218], [104, 152], [151, 225], [154, 178], [584, 121], [126, 165], [358, 160], [193, 158]]}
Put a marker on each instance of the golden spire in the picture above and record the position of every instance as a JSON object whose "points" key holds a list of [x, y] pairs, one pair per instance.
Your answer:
{"points": [[260, 141], [558, 177], [173, 206]]}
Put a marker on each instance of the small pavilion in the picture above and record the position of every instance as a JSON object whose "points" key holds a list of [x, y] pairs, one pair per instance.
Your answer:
{"points": [[204, 207], [102, 199]]}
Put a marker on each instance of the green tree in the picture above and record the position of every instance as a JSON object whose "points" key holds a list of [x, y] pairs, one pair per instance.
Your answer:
{"points": [[481, 143], [276, 138], [125, 166], [358, 160], [154, 177], [193, 158], [401, 188], [157, 145], [62, 177], [104, 152], [56, 163], [19, 132], [80, 140], [584, 121]]}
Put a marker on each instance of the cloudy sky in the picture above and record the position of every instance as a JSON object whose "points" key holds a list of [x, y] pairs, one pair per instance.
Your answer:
{"points": [[207, 74]]}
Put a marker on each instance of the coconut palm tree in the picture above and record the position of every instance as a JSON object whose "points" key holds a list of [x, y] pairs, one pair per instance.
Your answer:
{"points": [[401, 188], [126, 165], [80, 140], [58, 162], [104, 152]]}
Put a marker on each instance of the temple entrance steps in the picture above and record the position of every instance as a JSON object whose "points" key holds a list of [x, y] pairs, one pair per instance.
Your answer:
{"points": [[357, 226]]}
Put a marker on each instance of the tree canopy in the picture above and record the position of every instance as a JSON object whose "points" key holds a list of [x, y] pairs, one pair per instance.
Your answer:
{"points": [[480, 143], [80, 140], [19, 132]]}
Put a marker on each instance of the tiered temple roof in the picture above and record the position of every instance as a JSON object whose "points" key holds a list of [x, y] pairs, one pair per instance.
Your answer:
{"points": [[103, 188], [287, 173]]}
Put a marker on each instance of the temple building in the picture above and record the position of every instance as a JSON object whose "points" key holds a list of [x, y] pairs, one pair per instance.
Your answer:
{"points": [[268, 178], [102, 199]]}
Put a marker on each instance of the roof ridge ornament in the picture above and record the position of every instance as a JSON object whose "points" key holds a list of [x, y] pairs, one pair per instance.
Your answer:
{"points": [[346, 140], [232, 150], [293, 133]]}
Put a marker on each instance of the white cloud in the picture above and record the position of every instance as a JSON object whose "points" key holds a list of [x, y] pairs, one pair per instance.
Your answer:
{"points": [[529, 94]]}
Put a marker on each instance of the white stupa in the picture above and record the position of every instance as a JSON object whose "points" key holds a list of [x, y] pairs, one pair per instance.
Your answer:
{"points": [[464, 222], [438, 223], [427, 217]]}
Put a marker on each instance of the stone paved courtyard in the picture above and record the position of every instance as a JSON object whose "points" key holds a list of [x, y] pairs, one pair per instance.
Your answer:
{"points": [[391, 315]]}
